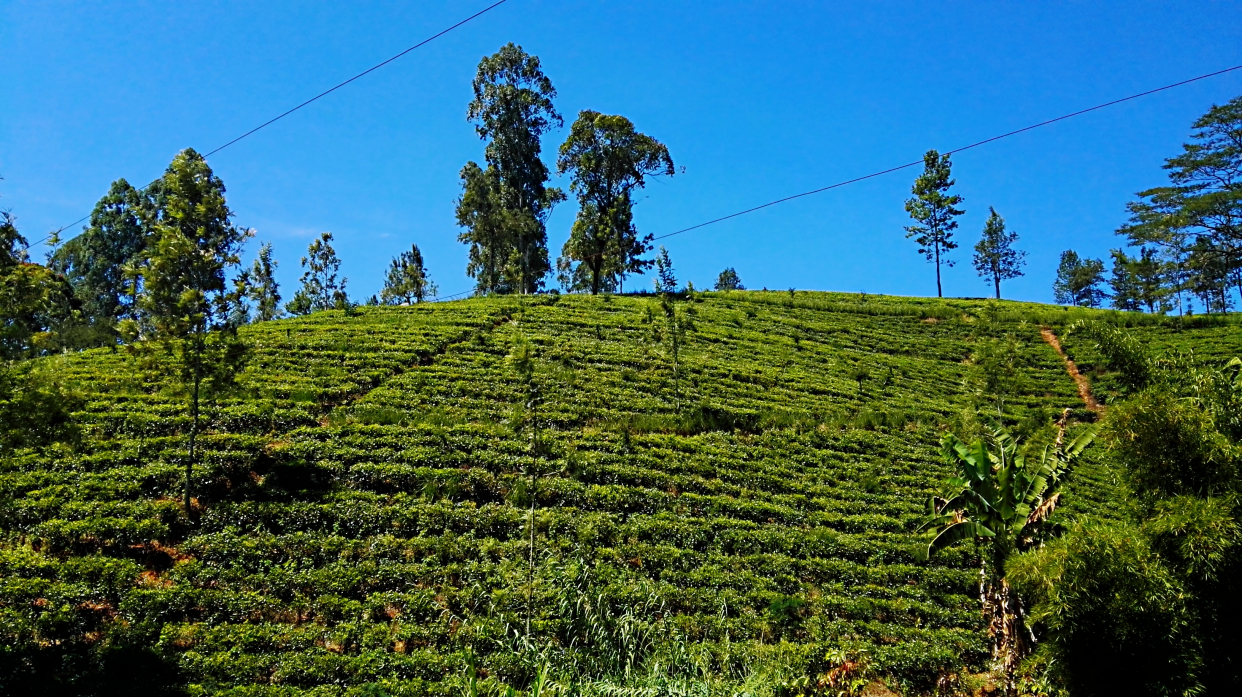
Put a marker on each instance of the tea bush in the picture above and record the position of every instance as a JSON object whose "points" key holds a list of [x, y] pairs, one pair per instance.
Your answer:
{"points": [[364, 502]]}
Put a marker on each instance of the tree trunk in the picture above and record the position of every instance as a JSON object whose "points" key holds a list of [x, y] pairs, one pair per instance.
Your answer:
{"points": [[939, 292], [997, 280], [1010, 639]]}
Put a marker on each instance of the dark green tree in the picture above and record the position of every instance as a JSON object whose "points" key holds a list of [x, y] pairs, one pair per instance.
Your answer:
{"points": [[320, 290], [1138, 282], [262, 288], [95, 261], [511, 110], [1078, 281], [407, 281], [186, 302], [481, 212], [38, 310], [1204, 197], [608, 160], [995, 258], [1210, 274], [933, 210], [1143, 598], [729, 280]]}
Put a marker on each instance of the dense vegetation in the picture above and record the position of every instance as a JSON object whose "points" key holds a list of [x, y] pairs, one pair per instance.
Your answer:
{"points": [[615, 494], [362, 503]]}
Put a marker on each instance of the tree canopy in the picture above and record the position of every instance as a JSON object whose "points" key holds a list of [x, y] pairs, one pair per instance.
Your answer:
{"points": [[122, 224], [407, 280], [729, 280], [1078, 281], [608, 160], [509, 200], [1199, 213], [320, 288], [995, 257], [934, 212]]}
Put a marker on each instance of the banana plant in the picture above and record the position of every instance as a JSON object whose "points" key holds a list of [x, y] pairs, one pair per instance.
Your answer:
{"points": [[1000, 497], [1001, 493]]}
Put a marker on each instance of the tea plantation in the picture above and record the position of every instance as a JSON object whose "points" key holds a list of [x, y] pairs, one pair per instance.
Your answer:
{"points": [[363, 503]]}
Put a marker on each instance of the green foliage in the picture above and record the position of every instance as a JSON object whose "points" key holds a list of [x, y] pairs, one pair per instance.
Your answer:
{"points": [[188, 311], [1078, 281], [505, 207], [35, 408], [932, 208], [999, 364], [995, 258], [1112, 612], [1153, 597], [1138, 283], [1001, 500], [1193, 220], [261, 286], [95, 261], [320, 290], [407, 280], [729, 280], [364, 505], [608, 160], [1001, 493]]}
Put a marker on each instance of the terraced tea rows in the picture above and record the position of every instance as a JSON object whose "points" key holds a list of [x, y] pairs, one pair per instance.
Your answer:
{"points": [[364, 503]]}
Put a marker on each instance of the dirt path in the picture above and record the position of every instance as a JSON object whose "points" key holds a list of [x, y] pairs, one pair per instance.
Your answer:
{"points": [[1080, 380]]}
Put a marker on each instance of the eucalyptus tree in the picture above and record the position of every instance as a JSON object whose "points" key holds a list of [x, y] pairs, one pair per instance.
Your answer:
{"points": [[407, 280], [995, 258], [481, 212], [320, 288], [186, 303], [933, 210], [608, 160], [511, 110]]}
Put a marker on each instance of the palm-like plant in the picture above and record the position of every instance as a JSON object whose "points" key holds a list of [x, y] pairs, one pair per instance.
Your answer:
{"points": [[1000, 498]]}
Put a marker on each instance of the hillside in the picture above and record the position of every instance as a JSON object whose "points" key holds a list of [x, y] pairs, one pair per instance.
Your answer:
{"points": [[363, 504]]}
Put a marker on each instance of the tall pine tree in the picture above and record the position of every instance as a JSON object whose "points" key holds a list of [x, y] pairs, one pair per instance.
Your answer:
{"points": [[995, 258], [933, 210]]}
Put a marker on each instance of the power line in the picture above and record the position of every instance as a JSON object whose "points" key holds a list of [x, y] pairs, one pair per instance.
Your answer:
{"points": [[373, 68], [950, 152], [920, 161], [325, 93]]}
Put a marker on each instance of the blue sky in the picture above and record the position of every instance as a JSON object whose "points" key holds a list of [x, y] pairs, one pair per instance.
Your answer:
{"points": [[756, 100]]}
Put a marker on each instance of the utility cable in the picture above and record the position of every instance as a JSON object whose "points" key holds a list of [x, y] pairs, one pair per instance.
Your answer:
{"points": [[950, 152], [325, 93], [920, 161]]}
